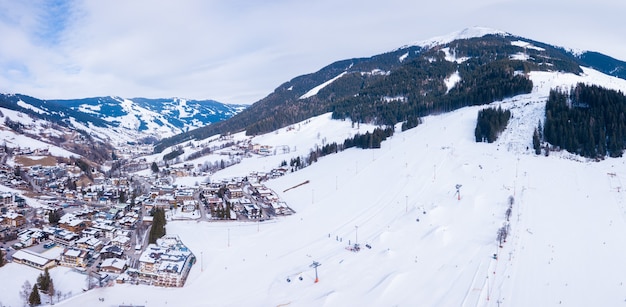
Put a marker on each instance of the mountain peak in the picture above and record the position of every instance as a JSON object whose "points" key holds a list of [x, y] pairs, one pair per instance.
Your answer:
{"points": [[466, 33]]}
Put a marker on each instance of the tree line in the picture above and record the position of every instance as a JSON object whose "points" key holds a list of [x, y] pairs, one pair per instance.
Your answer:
{"points": [[490, 123]]}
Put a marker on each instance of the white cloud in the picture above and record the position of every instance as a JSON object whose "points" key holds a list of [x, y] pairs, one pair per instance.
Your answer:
{"points": [[239, 51]]}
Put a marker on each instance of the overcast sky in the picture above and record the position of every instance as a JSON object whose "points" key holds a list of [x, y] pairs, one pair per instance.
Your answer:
{"points": [[240, 51]]}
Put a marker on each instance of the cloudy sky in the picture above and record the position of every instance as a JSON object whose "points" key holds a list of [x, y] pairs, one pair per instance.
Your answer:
{"points": [[239, 51]]}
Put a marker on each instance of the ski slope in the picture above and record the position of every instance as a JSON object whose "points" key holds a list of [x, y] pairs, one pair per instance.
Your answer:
{"points": [[429, 245]]}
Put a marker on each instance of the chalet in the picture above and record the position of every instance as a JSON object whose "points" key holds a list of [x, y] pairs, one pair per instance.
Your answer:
{"points": [[252, 211], [72, 257], [236, 193], [183, 195], [189, 206], [111, 251], [14, 219], [129, 220], [122, 242], [164, 201], [75, 225], [33, 259], [280, 208], [62, 237], [113, 265], [6, 199], [106, 228], [214, 200], [89, 243], [91, 232]]}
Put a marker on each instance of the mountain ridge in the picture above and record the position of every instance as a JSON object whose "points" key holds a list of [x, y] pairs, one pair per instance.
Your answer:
{"points": [[132, 118], [285, 106]]}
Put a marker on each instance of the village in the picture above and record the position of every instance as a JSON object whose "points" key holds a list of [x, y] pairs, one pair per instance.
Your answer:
{"points": [[100, 227]]}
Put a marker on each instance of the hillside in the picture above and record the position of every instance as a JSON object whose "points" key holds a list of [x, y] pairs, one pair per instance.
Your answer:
{"points": [[429, 245], [121, 119], [472, 67]]}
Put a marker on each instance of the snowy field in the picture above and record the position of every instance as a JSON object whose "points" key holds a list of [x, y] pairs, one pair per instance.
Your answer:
{"points": [[429, 245]]}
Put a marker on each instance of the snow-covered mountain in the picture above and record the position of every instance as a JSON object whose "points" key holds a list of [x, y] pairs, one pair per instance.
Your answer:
{"points": [[472, 66], [429, 203], [116, 118], [158, 117], [430, 245]]}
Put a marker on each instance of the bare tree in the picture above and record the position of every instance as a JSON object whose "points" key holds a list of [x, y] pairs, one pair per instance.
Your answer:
{"points": [[503, 232], [25, 292], [51, 290]]}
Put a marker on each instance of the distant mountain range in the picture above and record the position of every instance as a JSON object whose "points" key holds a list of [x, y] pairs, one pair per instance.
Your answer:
{"points": [[470, 67], [124, 118]]}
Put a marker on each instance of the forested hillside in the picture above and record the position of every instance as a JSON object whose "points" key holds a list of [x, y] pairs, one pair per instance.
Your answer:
{"points": [[588, 120], [406, 84]]}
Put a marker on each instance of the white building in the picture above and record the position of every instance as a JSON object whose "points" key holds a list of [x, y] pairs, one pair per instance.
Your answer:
{"points": [[166, 263]]}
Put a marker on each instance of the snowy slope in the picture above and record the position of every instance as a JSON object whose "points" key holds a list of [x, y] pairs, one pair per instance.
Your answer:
{"points": [[566, 245], [37, 135], [463, 34]]}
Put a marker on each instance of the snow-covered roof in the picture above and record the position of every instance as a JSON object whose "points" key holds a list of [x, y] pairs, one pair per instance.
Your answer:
{"points": [[113, 263], [29, 256], [73, 252]]}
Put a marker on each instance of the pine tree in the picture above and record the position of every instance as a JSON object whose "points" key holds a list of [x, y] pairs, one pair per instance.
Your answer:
{"points": [[536, 142], [158, 226], [1, 258], [34, 299], [154, 167], [122, 196], [43, 281], [54, 217]]}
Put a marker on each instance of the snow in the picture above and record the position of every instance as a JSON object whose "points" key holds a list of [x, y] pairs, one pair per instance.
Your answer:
{"points": [[452, 80], [66, 282], [403, 57], [526, 45], [429, 247], [463, 34], [315, 90], [31, 107], [520, 56], [13, 139], [451, 56]]}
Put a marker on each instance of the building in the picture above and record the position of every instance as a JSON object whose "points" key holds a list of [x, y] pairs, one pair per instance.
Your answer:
{"points": [[75, 225], [14, 219], [72, 257], [166, 263], [111, 251], [6, 199], [33, 259], [89, 243], [113, 265]]}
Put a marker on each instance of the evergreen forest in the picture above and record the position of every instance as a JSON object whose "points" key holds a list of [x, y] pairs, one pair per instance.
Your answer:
{"points": [[490, 123], [589, 120]]}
